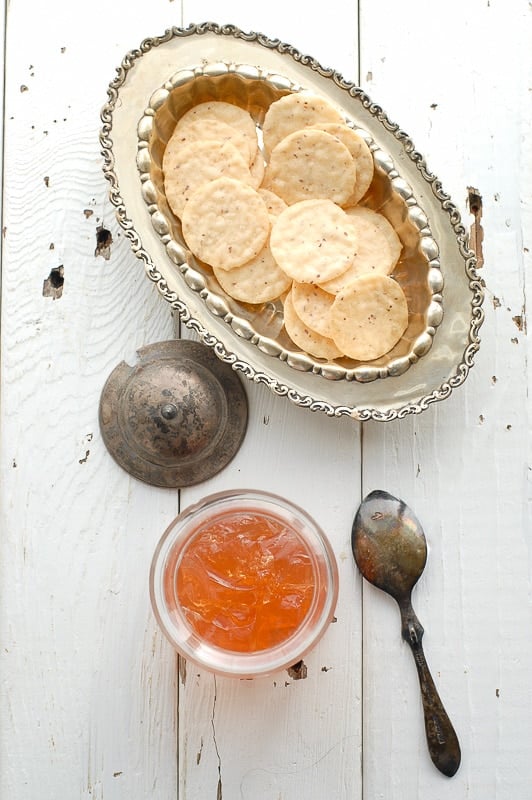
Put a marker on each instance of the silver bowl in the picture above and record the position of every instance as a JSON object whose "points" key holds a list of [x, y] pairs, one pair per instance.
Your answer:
{"points": [[418, 270], [438, 269]]}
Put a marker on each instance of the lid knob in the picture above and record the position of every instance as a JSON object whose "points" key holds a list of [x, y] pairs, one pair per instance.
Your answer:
{"points": [[176, 417]]}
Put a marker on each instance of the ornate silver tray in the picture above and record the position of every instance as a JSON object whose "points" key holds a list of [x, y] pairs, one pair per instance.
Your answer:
{"points": [[418, 270], [438, 352]]}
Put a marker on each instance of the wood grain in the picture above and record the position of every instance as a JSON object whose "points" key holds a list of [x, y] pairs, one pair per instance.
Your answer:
{"points": [[94, 703], [461, 465], [91, 704]]}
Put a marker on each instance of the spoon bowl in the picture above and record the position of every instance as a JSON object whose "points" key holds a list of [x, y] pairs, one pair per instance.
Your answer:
{"points": [[389, 544], [390, 550]]}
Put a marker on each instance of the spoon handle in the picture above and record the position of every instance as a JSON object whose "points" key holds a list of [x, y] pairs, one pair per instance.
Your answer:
{"points": [[442, 740]]}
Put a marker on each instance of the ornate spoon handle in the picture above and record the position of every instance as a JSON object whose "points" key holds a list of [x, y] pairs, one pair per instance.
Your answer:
{"points": [[442, 740]]}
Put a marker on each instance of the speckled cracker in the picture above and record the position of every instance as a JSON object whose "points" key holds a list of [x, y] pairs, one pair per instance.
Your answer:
{"points": [[294, 112], [311, 164], [256, 170], [361, 155], [383, 225], [208, 129], [257, 281], [365, 169], [273, 202], [369, 317], [192, 165], [313, 307], [373, 256], [304, 337], [229, 113], [225, 223], [313, 241]]}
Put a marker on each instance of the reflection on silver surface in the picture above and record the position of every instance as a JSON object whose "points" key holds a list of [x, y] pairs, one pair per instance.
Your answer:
{"points": [[456, 342], [417, 271]]}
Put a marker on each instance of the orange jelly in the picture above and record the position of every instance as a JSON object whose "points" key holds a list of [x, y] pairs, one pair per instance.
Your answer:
{"points": [[245, 581]]}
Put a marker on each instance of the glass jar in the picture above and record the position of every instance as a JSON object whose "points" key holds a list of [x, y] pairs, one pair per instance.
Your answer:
{"points": [[244, 583]]}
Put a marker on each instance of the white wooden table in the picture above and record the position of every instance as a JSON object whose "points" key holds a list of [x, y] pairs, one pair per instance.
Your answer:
{"points": [[93, 704]]}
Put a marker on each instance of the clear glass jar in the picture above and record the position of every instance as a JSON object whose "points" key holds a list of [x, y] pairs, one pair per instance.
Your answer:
{"points": [[244, 583]]}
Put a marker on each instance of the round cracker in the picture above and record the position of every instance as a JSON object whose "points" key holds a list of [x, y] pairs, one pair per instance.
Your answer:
{"points": [[361, 155], [208, 129], [313, 307], [225, 223], [365, 171], [311, 164], [256, 170], [257, 281], [304, 337], [373, 256], [274, 203], [383, 225], [313, 241], [294, 112], [192, 165], [369, 317], [229, 113]]}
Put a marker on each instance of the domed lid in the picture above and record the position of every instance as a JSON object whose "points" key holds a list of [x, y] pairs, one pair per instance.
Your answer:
{"points": [[176, 417]]}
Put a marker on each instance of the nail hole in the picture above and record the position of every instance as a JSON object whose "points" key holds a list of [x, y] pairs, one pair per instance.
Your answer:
{"points": [[53, 285], [104, 241], [298, 671], [476, 233]]}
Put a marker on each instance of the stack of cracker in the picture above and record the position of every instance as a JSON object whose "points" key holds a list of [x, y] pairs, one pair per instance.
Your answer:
{"points": [[283, 221]]}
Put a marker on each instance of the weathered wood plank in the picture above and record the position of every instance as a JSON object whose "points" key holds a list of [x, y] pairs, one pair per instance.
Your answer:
{"points": [[280, 736], [92, 703], [462, 465], [88, 705]]}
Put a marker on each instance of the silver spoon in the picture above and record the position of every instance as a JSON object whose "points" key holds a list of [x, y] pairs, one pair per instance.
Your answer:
{"points": [[390, 551]]}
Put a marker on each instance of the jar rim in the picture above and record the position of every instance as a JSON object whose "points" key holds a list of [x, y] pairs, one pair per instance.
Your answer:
{"points": [[182, 530]]}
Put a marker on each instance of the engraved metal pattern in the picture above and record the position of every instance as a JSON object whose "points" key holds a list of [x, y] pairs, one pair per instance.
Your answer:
{"points": [[176, 417], [330, 405]]}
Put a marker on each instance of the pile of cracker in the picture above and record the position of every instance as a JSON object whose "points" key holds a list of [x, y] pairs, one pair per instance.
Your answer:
{"points": [[283, 221]]}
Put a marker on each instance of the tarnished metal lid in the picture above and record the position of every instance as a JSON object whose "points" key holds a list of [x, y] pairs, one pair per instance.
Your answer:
{"points": [[175, 418]]}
